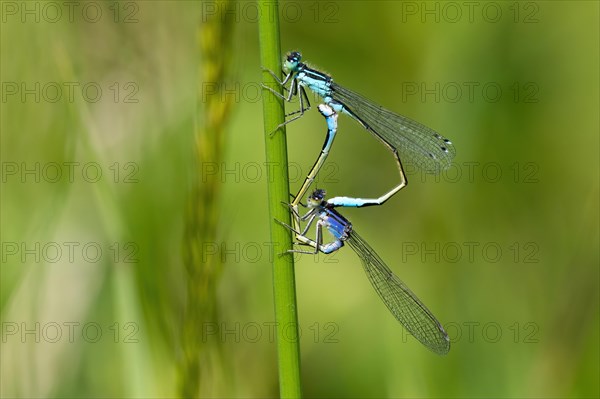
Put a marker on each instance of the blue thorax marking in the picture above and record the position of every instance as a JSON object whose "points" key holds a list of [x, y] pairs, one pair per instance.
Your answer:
{"points": [[336, 224], [315, 81]]}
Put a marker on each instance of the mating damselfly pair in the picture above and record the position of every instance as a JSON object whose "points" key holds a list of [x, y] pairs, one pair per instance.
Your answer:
{"points": [[406, 139]]}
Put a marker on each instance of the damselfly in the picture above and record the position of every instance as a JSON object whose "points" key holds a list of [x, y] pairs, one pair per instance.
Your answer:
{"points": [[399, 299], [408, 139]]}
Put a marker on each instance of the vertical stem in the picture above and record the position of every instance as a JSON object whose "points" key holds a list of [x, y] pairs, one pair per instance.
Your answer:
{"points": [[199, 359], [284, 288]]}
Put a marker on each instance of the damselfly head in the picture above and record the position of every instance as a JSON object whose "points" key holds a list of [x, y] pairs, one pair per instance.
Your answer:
{"points": [[316, 198], [292, 60]]}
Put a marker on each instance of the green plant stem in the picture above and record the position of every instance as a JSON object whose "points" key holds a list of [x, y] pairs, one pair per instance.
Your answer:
{"points": [[284, 288], [200, 360]]}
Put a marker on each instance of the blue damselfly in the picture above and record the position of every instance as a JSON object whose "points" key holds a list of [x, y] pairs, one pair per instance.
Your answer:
{"points": [[407, 139], [398, 298]]}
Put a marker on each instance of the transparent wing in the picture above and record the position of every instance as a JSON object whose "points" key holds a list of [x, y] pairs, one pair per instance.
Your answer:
{"points": [[415, 142], [400, 300]]}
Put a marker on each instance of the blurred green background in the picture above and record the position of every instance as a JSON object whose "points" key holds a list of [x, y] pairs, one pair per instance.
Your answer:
{"points": [[503, 247]]}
